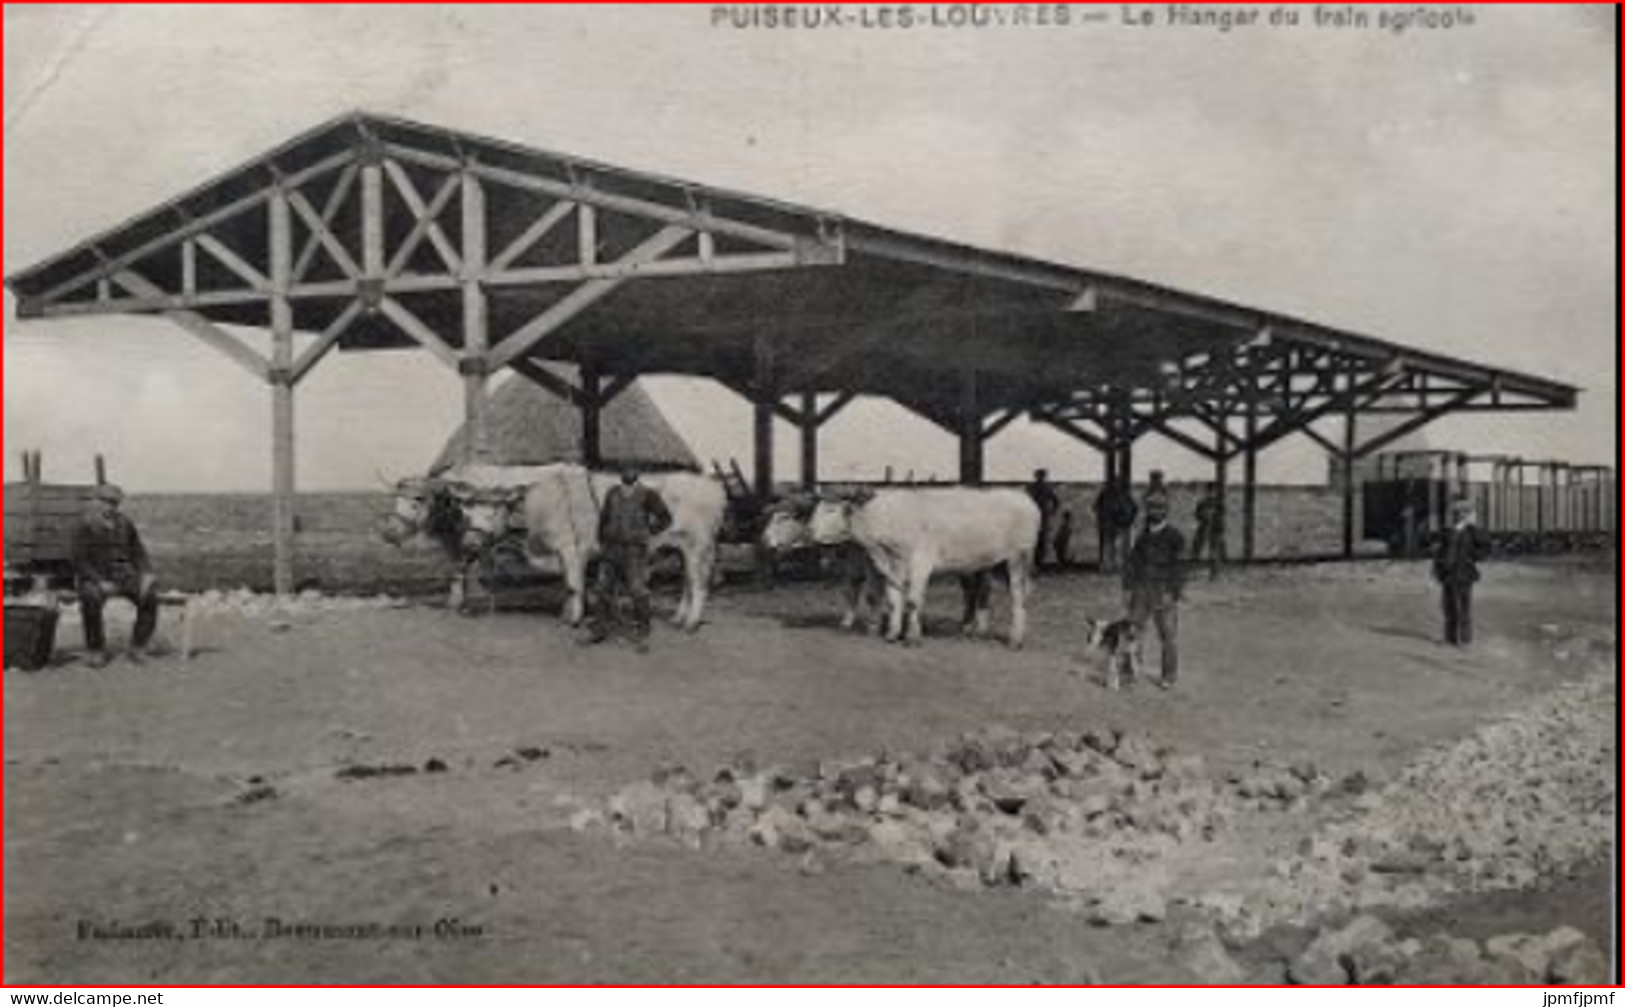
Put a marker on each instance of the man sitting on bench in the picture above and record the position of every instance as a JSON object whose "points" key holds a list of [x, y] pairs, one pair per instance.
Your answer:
{"points": [[109, 561]]}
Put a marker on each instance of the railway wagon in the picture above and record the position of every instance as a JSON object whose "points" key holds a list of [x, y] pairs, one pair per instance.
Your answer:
{"points": [[1525, 507]]}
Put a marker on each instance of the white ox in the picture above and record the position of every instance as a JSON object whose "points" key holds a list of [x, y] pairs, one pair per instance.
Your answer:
{"points": [[912, 534], [788, 532], [557, 507]]}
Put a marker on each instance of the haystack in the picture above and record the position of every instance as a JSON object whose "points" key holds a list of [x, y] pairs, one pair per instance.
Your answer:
{"points": [[531, 426]]}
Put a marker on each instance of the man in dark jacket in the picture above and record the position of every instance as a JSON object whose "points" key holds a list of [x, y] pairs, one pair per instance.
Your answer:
{"points": [[1455, 567], [1210, 534], [632, 517], [1156, 490], [1155, 581], [1049, 505], [110, 561], [1115, 514]]}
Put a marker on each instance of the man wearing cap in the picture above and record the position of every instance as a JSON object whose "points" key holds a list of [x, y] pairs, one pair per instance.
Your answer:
{"points": [[1156, 491], [1455, 567], [1155, 580], [632, 517], [1049, 504], [110, 561]]}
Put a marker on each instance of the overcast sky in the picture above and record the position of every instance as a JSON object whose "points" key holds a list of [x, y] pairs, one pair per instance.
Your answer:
{"points": [[1454, 190]]}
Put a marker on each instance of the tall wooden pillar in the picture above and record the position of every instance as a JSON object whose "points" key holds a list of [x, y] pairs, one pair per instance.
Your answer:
{"points": [[284, 488], [1348, 460], [1249, 486], [475, 366], [809, 440], [972, 470], [592, 418], [766, 394]]}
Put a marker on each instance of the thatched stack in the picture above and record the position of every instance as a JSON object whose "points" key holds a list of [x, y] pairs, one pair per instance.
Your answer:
{"points": [[529, 425]]}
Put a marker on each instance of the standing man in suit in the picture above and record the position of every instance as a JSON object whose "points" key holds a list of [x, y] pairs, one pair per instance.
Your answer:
{"points": [[1155, 581], [1455, 566], [633, 516]]}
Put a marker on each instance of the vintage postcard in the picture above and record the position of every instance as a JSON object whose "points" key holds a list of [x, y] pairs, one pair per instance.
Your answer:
{"points": [[1063, 494]]}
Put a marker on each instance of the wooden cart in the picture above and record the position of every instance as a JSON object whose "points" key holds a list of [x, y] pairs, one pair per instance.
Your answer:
{"points": [[40, 521]]}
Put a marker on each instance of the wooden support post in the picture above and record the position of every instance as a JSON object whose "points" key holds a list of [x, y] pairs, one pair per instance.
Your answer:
{"points": [[1249, 487], [1347, 460], [1540, 499], [971, 461], [373, 261], [809, 440], [475, 366], [766, 395], [284, 522], [101, 471], [592, 418]]}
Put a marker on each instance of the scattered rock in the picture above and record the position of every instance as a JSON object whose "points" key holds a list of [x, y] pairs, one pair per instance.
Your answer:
{"points": [[1581, 964], [375, 772], [1200, 954], [640, 809], [259, 795], [1328, 961], [687, 819]]}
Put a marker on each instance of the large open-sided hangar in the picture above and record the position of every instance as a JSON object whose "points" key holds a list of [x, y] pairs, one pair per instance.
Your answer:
{"points": [[372, 233]]}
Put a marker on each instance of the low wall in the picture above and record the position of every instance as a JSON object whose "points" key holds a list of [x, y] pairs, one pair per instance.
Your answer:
{"points": [[225, 541]]}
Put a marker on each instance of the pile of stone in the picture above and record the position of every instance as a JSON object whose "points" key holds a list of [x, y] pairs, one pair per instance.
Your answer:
{"points": [[1366, 952], [247, 604], [1514, 803], [996, 808]]}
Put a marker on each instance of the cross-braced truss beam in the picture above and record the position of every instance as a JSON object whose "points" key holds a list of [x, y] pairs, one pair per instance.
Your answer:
{"points": [[383, 223]]}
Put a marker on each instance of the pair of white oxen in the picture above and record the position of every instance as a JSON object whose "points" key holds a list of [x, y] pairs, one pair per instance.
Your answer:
{"points": [[906, 536]]}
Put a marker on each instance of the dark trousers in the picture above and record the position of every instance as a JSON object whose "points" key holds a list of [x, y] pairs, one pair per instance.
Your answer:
{"points": [[1110, 551], [93, 598], [1458, 613], [1210, 542], [1151, 606], [1041, 549], [623, 575]]}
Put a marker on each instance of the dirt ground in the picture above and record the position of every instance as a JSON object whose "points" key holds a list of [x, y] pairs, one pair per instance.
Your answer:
{"points": [[130, 792]]}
